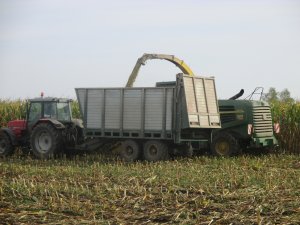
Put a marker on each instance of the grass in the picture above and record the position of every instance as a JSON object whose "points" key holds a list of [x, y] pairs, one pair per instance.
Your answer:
{"points": [[94, 189]]}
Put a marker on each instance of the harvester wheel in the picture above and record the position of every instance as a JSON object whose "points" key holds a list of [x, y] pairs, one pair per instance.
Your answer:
{"points": [[155, 151], [224, 144], [46, 141], [6, 148], [130, 151]]}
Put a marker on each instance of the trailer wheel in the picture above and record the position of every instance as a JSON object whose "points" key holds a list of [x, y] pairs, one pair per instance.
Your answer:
{"points": [[224, 144], [6, 148], [45, 141], [130, 151], [155, 151]]}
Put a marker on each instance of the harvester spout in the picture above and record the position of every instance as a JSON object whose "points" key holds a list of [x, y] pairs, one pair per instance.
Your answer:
{"points": [[171, 58], [237, 95]]}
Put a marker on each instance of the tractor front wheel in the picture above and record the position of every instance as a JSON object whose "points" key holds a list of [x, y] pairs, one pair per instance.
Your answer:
{"points": [[46, 141], [6, 148]]}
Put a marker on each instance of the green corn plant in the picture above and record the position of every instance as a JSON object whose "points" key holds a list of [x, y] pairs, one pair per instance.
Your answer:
{"points": [[288, 116], [11, 110], [75, 110]]}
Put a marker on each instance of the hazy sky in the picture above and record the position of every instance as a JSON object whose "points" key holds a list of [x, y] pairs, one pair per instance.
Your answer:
{"points": [[55, 45]]}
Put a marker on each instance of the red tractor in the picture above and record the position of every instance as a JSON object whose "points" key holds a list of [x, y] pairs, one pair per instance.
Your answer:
{"points": [[47, 130]]}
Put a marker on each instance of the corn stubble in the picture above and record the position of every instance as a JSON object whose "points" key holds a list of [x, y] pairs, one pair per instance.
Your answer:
{"points": [[95, 190]]}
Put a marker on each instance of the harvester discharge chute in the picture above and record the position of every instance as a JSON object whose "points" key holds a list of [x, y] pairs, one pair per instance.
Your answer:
{"points": [[171, 58]]}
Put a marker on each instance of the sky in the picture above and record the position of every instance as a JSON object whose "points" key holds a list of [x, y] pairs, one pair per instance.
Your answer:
{"points": [[54, 46]]}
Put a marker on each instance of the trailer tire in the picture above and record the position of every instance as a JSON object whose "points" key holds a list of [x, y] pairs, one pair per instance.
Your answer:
{"points": [[155, 151], [224, 144], [130, 151], [46, 141], [6, 147]]}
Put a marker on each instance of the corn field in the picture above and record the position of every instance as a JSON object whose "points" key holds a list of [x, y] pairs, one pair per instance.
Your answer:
{"points": [[11, 110], [286, 114]]}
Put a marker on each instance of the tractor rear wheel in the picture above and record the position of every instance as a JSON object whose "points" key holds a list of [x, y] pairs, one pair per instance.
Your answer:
{"points": [[155, 151], [130, 151], [224, 144], [46, 141], [6, 148]]}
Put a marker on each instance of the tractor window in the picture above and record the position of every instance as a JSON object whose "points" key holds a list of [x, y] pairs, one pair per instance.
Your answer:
{"points": [[35, 111], [50, 110], [63, 111]]}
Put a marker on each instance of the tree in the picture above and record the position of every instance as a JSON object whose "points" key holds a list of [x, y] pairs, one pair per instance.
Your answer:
{"points": [[274, 96], [271, 96], [285, 96]]}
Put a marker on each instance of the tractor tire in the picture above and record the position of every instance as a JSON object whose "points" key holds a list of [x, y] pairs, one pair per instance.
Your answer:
{"points": [[155, 151], [130, 151], [224, 144], [6, 147], [46, 141]]}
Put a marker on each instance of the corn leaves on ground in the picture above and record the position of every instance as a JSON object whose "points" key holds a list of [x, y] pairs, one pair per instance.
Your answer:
{"points": [[204, 190]]}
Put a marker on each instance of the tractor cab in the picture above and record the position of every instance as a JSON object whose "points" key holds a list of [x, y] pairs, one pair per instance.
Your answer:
{"points": [[48, 109]]}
